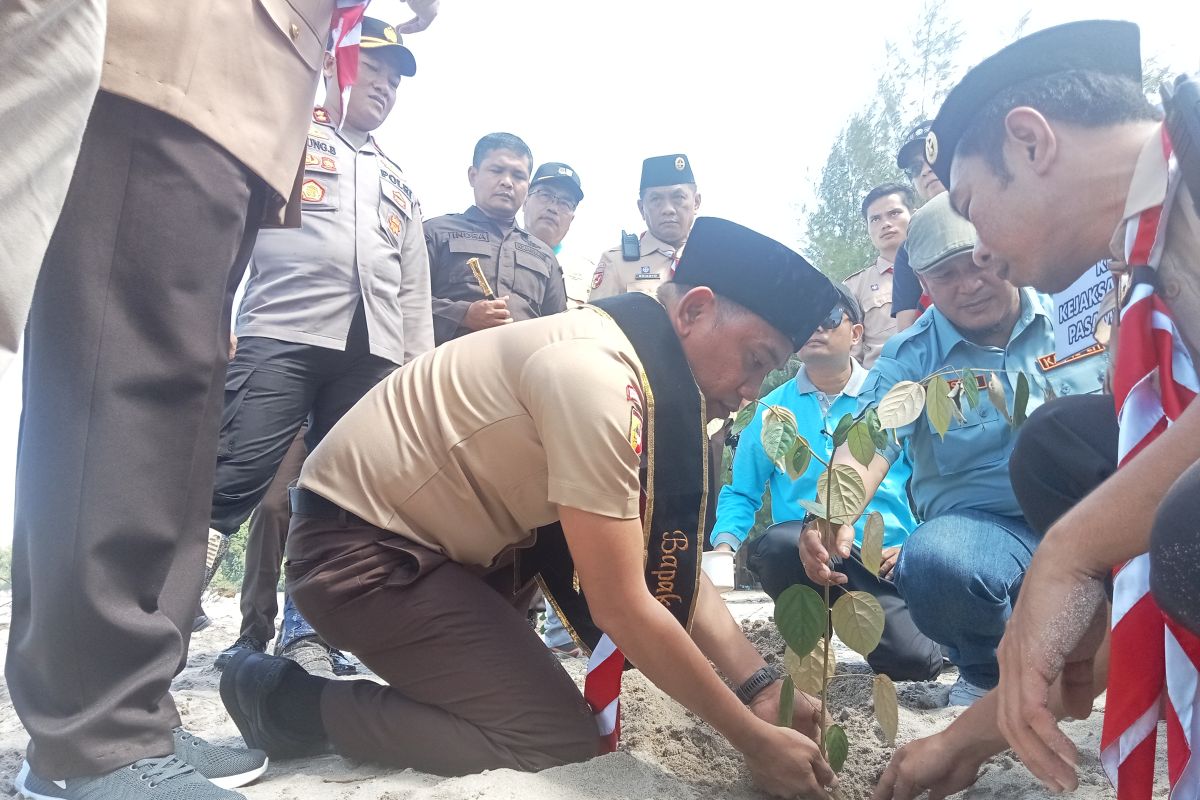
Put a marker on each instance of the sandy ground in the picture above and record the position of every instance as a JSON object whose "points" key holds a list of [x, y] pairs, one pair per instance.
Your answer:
{"points": [[666, 753]]}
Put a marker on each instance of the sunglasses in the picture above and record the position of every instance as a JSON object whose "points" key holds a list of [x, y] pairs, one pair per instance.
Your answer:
{"points": [[833, 319], [915, 168]]}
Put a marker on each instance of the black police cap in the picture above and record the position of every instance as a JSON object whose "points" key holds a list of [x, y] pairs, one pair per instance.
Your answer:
{"points": [[560, 173], [1106, 46], [759, 273], [914, 145], [666, 171], [381, 38]]}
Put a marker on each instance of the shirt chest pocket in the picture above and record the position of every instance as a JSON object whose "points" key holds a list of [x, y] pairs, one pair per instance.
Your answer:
{"points": [[464, 245], [531, 275], [1085, 376], [319, 191], [982, 441]]}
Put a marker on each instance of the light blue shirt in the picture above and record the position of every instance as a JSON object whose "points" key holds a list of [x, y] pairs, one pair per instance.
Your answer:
{"points": [[741, 499], [968, 470]]}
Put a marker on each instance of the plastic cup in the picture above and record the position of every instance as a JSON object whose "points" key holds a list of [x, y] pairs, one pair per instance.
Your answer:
{"points": [[718, 566]]}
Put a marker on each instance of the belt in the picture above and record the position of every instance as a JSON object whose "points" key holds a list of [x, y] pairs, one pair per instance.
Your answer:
{"points": [[306, 503]]}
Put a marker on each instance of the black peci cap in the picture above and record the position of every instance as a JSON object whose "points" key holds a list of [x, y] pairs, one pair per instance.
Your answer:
{"points": [[381, 38], [1106, 46], [759, 273], [561, 174], [666, 171]]}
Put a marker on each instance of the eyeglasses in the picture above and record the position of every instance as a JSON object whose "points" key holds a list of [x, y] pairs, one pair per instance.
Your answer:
{"points": [[565, 203], [915, 168], [833, 320]]}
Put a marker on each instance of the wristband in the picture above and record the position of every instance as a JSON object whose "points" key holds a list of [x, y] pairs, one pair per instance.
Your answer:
{"points": [[761, 679]]}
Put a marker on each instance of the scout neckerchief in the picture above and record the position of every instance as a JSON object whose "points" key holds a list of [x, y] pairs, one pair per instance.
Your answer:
{"points": [[1155, 663], [346, 33], [671, 436]]}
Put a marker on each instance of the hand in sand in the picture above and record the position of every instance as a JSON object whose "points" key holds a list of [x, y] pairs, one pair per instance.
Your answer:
{"points": [[935, 764], [786, 763], [1055, 630], [487, 314], [815, 555], [806, 709]]}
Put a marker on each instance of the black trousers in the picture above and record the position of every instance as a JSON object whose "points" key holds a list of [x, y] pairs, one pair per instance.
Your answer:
{"points": [[271, 388], [903, 654], [1069, 447], [126, 348]]}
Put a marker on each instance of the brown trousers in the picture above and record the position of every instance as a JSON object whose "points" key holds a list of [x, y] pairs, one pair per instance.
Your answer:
{"points": [[264, 546], [470, 685], [125, 354]]}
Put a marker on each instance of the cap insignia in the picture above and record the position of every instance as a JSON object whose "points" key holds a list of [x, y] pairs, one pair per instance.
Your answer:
{"points": [[931, 148]]}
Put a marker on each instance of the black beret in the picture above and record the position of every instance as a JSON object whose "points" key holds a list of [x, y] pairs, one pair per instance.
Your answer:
{"points": [[666, 171], [759, 273], [1106, 46]]}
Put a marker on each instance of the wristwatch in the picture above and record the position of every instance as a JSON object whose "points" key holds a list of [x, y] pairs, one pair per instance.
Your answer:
{"points": [[752, 686]]}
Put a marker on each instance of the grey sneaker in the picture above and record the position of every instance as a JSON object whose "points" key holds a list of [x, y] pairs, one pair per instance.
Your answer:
{"points": [[965, 693], [226, 767], [311, 654], [242, 643], [165, 778]]}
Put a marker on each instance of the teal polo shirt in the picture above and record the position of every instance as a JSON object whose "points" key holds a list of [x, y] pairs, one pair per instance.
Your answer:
{"points": [[741, 499], [968, 470]]}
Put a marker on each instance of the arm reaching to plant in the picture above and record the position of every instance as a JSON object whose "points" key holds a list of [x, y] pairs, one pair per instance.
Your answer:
{"points": [[949, 761], [608, 557]]}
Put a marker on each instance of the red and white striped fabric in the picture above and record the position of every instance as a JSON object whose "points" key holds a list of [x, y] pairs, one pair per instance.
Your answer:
{"points": [[602, 690], [1154, 671], [346, 34]]}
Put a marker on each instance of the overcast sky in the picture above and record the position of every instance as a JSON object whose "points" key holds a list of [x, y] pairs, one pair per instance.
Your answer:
{"points": [[753, 91]]}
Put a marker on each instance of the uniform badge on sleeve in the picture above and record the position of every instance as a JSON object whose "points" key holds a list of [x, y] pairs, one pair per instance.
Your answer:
{"points": [[394, 223], [598, 277], [311, 191], [635, 429], [400, 200]]}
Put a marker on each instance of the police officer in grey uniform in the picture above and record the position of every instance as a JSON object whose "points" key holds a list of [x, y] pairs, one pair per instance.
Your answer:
{"points": [[522, 278], [329, 309]]}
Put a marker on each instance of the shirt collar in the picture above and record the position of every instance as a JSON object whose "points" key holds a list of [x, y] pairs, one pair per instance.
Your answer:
{"points": [[650, 243], [1033, 305], [475, 214], [1148, 186], [882, 265], [858, 376]]}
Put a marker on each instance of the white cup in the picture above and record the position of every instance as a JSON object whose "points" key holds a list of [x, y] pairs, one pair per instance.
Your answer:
{"points": [[718, 566]]}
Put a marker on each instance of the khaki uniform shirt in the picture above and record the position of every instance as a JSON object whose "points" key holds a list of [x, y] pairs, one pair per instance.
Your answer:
{"points": [[361, 240], [515, 262], [472, 446], [614, 275], [242, 73], [1179, 269], [872, 287]]}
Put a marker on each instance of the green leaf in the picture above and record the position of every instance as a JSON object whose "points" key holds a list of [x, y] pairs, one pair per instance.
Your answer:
{"points": [[801, 617], [970, 385], [862, 445], [938, 405], [799, 459], [872, 546], [787, 700], [887, 710], [901, 405], [879, 437], [817, 509], [778, 435], [837, 747], [995, 390], [842, 430], [805, 670], [1021, 403], [744, 418], [858, 621], [842, 488]]}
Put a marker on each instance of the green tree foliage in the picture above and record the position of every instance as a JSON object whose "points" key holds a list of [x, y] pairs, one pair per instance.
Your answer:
{"points": [[915, 79]]}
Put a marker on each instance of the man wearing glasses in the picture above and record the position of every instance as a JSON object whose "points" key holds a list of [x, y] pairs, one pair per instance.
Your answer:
{"points": [[554, 194], [826, 388], [960, 570], [668, 201], [908, 299], [519, 277]]}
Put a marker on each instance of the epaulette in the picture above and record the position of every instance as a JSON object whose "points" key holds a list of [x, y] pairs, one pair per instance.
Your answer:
{"points": [[321, 116]]}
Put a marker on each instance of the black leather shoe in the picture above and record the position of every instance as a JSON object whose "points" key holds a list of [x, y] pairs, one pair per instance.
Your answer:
{"points": [[247, 684]]}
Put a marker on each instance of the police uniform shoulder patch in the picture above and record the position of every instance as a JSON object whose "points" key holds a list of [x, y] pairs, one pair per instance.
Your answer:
{"points": [[394, 224], [598, 277], [321, 115], [635, 428]]}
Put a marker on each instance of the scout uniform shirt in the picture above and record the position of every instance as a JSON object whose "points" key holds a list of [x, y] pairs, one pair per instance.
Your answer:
{"points": [[968, 470], [872, 287], [472, 446], [514, 261], [1179, 267], [361, 241], [614, 275]]}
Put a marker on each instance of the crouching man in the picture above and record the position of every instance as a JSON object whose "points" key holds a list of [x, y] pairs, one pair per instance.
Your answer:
{"points": [[571, 448]]}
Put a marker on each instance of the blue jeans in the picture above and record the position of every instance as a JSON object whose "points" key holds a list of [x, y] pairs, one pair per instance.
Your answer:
{"points": [[555, 635], [960, 574], [295, 626]]}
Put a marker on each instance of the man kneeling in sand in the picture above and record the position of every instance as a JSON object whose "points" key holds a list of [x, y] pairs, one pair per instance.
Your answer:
{"points": [[570, 448]]}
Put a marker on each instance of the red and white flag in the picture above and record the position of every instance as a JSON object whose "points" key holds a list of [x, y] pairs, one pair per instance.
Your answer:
{"points": [[1154, 672], [345, 34], [602, 690]]}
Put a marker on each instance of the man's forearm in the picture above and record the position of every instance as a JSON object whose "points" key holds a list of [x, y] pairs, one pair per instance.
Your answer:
{"points": [[720, 638], [872, 476]]}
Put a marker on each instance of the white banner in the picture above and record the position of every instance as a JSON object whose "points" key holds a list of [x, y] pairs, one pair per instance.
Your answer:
{"points": [[1075, 311]]}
